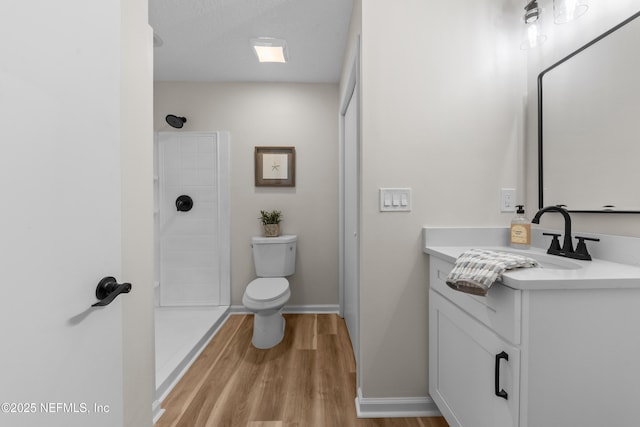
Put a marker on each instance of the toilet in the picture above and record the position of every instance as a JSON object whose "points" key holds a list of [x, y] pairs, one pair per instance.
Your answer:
{"points": [[274, 259]]}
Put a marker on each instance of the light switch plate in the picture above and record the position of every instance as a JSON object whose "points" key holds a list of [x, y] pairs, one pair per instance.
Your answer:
{"points": [[395, 199]]}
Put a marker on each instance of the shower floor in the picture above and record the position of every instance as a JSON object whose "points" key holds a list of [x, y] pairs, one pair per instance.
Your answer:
{"points": [[180, 335]]}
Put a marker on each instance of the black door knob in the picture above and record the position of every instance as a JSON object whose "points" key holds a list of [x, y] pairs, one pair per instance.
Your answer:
{"points": [[184, 203], [108, 289]]}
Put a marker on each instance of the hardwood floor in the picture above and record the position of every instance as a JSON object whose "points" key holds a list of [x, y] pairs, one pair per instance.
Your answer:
{"points": [[308, 380]]}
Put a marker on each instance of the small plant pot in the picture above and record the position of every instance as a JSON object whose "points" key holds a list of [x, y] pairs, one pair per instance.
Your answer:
{"points": [[271, 230]]}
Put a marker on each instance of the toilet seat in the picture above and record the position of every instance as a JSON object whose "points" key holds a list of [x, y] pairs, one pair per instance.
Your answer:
{"points": [[265, 297], [265, 289]]}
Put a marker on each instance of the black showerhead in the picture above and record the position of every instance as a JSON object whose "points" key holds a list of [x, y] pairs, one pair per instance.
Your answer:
{"points": [[175, 121]]}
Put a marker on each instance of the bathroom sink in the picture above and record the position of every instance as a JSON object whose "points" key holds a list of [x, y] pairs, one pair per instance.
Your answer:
{"points": [[555, 272]]}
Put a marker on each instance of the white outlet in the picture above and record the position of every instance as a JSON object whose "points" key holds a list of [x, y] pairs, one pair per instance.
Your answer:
{"points": [[508, 200]]}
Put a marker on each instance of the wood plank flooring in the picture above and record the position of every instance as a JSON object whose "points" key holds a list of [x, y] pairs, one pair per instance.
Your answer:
{"points": [[308, 380]]}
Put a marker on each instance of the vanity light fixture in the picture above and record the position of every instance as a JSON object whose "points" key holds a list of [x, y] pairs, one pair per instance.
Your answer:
{"points": [[533, 36], [567, 10], [531, 12], [269, 49]]}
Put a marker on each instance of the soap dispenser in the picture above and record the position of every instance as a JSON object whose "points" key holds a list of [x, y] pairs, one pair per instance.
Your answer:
{"points": [[520, 235]]}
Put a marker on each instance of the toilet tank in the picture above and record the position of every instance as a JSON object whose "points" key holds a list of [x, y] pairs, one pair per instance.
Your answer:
{"points": [[274, 256]]}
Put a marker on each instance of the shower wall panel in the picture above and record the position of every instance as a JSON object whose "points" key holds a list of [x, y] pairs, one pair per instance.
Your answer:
{"points": [[192, 243]]}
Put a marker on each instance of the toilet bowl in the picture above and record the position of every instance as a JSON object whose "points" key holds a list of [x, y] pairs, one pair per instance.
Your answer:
{"points": [[274, 259], [266, 297]]}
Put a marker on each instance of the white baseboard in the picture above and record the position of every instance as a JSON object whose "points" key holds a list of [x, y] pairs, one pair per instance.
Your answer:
{"points": [[297, 309], [395, 407], [312, 309], [156, 411]]}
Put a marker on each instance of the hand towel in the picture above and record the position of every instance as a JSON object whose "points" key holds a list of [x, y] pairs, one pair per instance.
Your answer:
{"points": [[476, 269]]}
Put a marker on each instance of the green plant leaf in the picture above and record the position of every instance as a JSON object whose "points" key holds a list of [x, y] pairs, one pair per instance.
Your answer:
{"points": [[270, 217]]}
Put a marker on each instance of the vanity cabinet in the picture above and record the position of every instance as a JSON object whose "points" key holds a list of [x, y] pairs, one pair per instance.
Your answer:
{"points": [[534, 358]]}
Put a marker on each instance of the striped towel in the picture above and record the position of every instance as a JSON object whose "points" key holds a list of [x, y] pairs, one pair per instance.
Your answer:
{"points": [[476, 269]]}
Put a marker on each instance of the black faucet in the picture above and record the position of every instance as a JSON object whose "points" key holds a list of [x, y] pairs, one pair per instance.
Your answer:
{"points": [[567, 246]]}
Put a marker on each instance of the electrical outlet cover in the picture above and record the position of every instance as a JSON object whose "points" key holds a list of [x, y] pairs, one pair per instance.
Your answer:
{"points": [[508, 200]]}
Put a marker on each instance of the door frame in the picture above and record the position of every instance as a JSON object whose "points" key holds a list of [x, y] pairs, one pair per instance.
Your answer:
{"points": [[136, 132], [353, 83]]}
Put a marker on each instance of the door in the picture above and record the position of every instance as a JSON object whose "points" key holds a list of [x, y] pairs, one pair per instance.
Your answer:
{"points": [[467, 362], [352, 221], [60, 228]]}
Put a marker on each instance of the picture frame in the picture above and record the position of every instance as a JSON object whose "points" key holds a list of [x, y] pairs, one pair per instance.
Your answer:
{"points": [[275, 166]]}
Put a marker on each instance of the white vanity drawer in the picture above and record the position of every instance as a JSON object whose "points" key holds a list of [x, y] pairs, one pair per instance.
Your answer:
{"points": [[500, 309]]}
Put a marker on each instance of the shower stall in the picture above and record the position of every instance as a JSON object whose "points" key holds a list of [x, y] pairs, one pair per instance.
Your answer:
{"points": [[192, 244]]}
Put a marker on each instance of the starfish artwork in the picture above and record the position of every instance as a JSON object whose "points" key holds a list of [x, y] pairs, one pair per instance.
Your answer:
{"points": [[274, 166]]}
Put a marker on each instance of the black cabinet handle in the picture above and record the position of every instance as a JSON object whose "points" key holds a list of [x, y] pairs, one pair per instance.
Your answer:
{"points": [[500, 393], [108, 289]]}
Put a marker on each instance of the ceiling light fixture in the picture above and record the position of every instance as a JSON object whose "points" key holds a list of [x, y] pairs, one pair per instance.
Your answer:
{"points": [[268, 49]]}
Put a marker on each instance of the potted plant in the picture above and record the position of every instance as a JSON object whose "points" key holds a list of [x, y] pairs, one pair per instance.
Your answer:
{"points": [[271, 222]]}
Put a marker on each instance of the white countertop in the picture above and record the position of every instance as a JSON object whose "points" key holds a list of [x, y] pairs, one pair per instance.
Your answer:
{"points": [[565, 274]]}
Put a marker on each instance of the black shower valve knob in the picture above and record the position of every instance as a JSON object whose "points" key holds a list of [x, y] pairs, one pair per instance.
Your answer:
{"points": [[184, 203]]}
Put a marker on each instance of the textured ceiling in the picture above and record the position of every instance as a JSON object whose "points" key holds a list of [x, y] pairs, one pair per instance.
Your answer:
{"points": [[208, 40]]}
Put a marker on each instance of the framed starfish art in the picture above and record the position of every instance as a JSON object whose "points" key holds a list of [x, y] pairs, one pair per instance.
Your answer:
{"points": [[275, 166]]}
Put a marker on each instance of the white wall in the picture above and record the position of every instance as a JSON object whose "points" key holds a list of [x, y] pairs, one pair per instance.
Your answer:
{"points": [[442, 86], [561, 41], [265, 114]]}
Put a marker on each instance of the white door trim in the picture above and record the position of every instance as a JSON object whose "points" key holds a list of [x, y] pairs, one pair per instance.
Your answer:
{"points": [[351, 87]]}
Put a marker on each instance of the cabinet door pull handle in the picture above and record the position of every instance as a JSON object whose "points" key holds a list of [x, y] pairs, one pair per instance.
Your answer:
{"points": [[498, 391]]}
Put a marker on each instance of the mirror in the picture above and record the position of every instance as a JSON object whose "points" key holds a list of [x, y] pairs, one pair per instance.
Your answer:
{"points": [[589, 125]]}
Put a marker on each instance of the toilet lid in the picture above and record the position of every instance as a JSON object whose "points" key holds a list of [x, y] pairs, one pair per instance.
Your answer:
{"points": [[267, 288]]}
